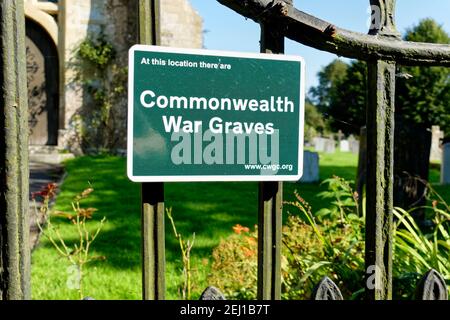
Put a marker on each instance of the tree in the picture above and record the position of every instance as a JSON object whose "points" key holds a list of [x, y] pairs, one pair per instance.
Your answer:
{"points": [[314, 121], [329, 77], [341, 95], [348, 112], [422, 100]]}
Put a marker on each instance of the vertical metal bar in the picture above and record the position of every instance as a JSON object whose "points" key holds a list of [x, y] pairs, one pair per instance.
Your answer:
{"points": [[153, 241], [270, 205], [14, 224], [269, 240], [362, 167], [153, 230], [380, 179], [380, 159]]}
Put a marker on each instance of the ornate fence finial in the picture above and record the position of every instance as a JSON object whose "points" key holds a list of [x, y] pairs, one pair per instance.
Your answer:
{"points": [[432, 287], [326, 290], [212, 293], [383, 18]]}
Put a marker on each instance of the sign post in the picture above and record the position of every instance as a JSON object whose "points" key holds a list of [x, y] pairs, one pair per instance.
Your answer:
{"points": [[152, 194], [198, 115], [270, 208]]}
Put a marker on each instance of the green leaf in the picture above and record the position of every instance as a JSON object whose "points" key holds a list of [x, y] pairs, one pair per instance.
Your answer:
{"points": [[313, 269]]}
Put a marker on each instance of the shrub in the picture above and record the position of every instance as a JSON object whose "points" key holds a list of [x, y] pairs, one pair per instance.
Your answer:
{"points": [[185, 248], [417, 251], [310, 251], [235, 264], [78, 252], [98, 69], [331, 243]]}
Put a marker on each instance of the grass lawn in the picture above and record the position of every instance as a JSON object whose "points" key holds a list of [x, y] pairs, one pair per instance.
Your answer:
{"points": [[208, 209]]}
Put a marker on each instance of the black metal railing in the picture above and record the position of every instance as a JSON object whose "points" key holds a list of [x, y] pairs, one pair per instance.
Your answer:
{"points": [[382, 48]]}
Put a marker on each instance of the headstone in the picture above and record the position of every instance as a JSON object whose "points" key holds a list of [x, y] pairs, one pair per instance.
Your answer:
{"points": [[353, 144], [340, 135], [330, 146], [310, 167], [436, 151], [445, 166], [319, 144], [344, 146]]}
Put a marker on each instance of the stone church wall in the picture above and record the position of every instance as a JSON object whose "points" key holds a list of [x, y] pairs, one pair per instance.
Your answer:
{"points": [[69, 22]]}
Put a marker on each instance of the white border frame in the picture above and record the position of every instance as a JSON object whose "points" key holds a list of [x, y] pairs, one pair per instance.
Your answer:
{"points": [[212, 178]]}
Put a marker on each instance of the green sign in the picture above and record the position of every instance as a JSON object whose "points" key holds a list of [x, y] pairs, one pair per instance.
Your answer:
{"points": [[199, 115]]}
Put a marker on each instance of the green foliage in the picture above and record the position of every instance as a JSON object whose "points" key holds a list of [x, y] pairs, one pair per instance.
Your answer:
{"points": [[314, 122], [331, 243], [343, 99], [337, 251], [311, 250], [76, 252], [210, 215], [185, 248], [427, 30], [341, 95], [343, 200], [329, 77], [98, 71], [98, 52], [422, 94], [347, 113], [119, 276], [418, 251], [424, 97], [234, 266]]}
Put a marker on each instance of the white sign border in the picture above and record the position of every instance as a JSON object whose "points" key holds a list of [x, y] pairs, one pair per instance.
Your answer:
{"points": [[212, 178]]}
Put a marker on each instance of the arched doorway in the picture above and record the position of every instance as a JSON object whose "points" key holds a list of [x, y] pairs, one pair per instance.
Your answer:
{"points": [[43, 85]]}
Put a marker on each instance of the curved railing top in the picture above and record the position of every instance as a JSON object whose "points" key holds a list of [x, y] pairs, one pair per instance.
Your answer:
{"points": [[382, 43]]}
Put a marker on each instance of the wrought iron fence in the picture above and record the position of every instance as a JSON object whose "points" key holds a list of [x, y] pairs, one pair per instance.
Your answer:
{"points": [[382, 48]]}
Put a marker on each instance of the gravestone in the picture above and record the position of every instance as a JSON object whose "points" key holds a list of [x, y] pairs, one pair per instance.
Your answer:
{"points": [[319, 144], [344, 146], [445, 167], [330, 146], [353, 144], [310, 167], [340, 135], [436, 151]]}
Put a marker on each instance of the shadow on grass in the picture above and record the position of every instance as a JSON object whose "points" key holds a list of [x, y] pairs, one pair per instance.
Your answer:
{"points": [[208, 209]]}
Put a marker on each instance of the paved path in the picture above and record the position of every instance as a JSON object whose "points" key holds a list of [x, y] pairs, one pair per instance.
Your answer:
{"points": [[41, 174]]}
